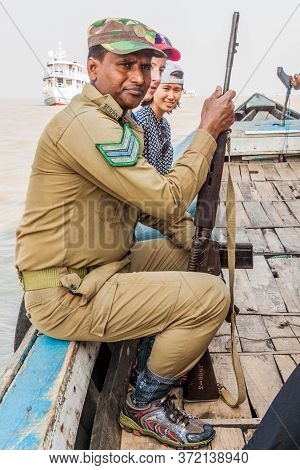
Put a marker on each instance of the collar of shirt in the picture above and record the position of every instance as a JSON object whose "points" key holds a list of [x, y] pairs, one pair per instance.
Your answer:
{"points": [[105, 102], [108, 105]]}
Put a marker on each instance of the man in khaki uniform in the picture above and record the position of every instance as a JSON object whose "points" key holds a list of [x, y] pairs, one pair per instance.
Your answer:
{"points": [[84, 276]]}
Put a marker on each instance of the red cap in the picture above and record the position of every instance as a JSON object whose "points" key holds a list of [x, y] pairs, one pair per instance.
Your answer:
{"points": [[164, 44]]}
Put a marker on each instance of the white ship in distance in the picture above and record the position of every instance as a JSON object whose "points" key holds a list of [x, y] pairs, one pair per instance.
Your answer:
{"points": [[189, 93], [62, 79]]}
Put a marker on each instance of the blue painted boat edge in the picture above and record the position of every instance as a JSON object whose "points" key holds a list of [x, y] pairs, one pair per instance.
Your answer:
{"points": [[13, 368], [27, 405]]}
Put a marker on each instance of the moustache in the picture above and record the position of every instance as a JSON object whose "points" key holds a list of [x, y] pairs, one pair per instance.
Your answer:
{"points": [[136, 89]]}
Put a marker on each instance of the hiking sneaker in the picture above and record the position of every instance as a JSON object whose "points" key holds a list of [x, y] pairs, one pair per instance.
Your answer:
{"points": [[166, 423]]}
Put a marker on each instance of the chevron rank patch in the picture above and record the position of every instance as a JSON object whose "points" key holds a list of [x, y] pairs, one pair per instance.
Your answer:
{"points": [[125, 153]]}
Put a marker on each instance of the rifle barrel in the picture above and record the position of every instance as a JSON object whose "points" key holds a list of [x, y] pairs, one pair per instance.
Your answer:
{"points": [[231, 49]]}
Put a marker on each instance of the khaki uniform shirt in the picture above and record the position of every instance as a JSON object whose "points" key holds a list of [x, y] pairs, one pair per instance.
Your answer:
{"points": [[81, 211]]}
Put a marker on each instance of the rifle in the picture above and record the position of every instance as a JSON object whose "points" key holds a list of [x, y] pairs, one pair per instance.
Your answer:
{"points": [[207, 255]]}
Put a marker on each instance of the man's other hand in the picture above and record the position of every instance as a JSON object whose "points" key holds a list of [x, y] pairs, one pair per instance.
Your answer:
{"points": [[295, 82]]}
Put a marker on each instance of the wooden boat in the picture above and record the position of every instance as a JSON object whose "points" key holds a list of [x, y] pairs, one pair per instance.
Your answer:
{"points": [[64, 395], [261, 129]]}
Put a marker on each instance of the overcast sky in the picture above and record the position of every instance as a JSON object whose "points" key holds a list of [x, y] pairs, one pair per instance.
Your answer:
{"points": [[199, 29]]}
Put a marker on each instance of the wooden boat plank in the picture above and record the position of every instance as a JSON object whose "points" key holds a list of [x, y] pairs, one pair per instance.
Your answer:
{"points": [[242, 423], [267, 191], [286, 213], [218, 409], [270, 172], [286, 365], [89, 408], [258, 241], [221, 215], [294, 207], [252, 326], [237, 191], [221, 341], [294, 322], [289, 238], [272, 214], [296, 358], [256, 172], [272, 240], [248, 433], [106, 433], [62, 432], [275, 329], [235, 172], [228, 438], [285, 293], [238, 195], [242, 219], [285, 171], [244, 295], [295, 166], [241, 235], [256, 214], [249, 191], [220, 234], [267, 353], [295, 188], [284, 190], [261, 392], [297, 230], [245, 176], [286, 271], [131, 442], [264, 287]]}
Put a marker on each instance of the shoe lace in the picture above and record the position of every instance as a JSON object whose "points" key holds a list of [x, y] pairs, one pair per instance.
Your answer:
{"points": [[176, 415]]}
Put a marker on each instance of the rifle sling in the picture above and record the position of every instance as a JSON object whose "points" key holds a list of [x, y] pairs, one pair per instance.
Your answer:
{"points": [[237, 367]]}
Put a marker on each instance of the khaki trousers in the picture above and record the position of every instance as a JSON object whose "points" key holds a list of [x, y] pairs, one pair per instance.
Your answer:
{"points": [[154, 297]]}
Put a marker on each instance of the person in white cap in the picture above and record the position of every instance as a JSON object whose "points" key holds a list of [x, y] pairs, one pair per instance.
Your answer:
{"points": [[158, 149]]}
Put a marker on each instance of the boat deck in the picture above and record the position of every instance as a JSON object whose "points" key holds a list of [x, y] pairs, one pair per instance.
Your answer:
{"points": [[268, 327]]}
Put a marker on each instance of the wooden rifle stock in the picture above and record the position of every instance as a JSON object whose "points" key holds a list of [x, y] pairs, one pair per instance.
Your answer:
{"points": [[201, 384]]}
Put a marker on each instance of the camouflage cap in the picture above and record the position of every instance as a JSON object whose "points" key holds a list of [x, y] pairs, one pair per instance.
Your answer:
{"points": [[123, 36]]}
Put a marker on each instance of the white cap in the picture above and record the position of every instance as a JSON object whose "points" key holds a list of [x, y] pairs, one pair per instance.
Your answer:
{"points": [[173, 73]]}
